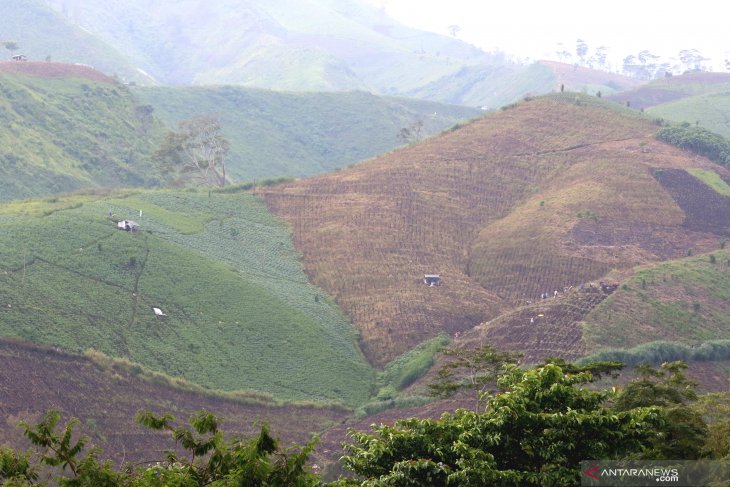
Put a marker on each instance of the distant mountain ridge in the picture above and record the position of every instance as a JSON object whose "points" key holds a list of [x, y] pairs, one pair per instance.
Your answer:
{"points": [[69, 126]]}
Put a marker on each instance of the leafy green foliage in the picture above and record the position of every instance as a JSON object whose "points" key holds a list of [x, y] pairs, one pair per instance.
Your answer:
{"points": [[64, 134], [536, 432], [241, 313], [476, 369], [275, 134], [683, 435], [699, 140], [209, 459]]}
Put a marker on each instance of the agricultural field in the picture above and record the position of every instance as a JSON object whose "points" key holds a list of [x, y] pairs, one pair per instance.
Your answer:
{"points": [[241, 313], [505, 209], [106, 396], [686, 301], [673, 88]]}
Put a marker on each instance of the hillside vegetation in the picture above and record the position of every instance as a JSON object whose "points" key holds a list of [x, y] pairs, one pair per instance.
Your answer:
{"points": [[686, 300], [71, 127], [64, 133], [506, 209], [241, 314], [107, 396], [700, 99], [301, 134], [41, 33], [321, 45]]}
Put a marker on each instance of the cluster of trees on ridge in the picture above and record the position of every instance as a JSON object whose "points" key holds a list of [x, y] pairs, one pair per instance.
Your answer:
{"points": [[533, 429]]}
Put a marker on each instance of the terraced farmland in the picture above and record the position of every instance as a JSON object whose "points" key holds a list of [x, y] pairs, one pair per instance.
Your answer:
{"points": [[106, 399], [505, 209], [240, 311]]}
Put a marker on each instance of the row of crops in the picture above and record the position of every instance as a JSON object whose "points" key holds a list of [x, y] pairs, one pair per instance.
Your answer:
{"points": [[241, 313]]}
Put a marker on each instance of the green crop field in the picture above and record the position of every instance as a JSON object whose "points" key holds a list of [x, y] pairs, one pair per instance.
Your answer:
{"points": [[241, 313], [707, 110], [686, 300]]}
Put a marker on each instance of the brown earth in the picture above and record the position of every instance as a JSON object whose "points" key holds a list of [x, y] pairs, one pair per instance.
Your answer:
{"points": [[54, 70], [34, 379], [546, 195], [574, 78], [706, 210]]}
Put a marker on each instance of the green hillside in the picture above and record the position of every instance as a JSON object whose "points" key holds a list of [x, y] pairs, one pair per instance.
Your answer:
{"points": [[475, 85], [710, 111], [301, 134], [319, 45], [686, 300], [240, 311], [40, 32], [60, 134]]}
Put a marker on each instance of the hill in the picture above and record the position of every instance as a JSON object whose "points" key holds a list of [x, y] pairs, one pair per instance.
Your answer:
{"points": [[106, 396], [70, 126], [43, 34], [241, 314], [319, 45], [700, 99], [582, 79], [506, 208], [300, 134], [62, 133], [674, 88]]}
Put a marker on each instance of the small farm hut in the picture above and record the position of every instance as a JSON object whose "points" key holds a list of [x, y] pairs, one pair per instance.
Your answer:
{"points": [[432, 280], [159, 313], [128, 225]]}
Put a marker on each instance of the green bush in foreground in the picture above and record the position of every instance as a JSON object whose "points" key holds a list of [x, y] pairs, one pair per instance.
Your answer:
{"points": [[535, 432]]}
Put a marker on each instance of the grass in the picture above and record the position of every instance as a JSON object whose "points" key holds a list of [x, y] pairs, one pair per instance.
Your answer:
{"points": [[300, 134], [684, 300], [241, 312], [711, 179], [64, 134], [706, 110]]}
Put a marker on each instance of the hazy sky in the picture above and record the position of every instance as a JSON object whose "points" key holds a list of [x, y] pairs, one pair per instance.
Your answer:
{"points": [[532, 29]]}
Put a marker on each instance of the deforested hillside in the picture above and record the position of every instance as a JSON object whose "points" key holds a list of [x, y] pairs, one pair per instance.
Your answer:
{"points": [[106, 395], [208, 288], [551, 193], [66, 127], [42, 34]]}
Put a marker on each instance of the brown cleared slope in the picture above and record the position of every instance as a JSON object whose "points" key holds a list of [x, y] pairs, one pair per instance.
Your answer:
{"points": [[54, 70], [369, 233], [574, 77], [609, 208], [34, 379]]}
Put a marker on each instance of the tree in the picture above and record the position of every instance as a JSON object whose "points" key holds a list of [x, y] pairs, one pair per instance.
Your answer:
{"points": [[692, 59], [475, 369], [454, 29], [581, 49], [534, 433], [198, 149], [684, 433], [412, 133], [11, 46], [209, 459]]}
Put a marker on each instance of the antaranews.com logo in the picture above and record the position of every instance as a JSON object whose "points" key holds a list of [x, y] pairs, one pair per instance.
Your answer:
{"points": [[678, 473]]}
